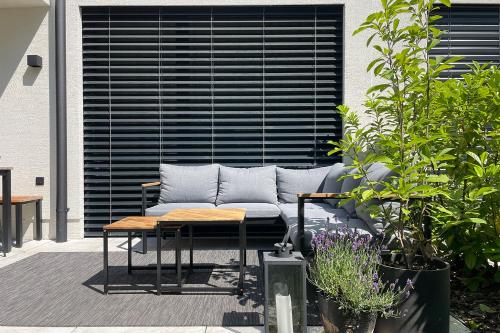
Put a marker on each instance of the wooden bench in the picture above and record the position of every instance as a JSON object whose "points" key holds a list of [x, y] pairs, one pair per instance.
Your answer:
{"points": [[19, 201]]}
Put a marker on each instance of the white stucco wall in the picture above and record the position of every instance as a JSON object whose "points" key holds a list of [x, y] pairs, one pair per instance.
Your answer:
{"points": [[25, 106], [27, 131]]}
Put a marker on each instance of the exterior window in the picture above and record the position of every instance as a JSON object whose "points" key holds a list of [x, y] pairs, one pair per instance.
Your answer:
{"points": [[240, 86], [472, 32]]}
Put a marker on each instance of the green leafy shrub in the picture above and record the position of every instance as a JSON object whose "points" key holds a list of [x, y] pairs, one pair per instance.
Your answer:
{"points": [[468, 220], [439, 137], [403, 127]]}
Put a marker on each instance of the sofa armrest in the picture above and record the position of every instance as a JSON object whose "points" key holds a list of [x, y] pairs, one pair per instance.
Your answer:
{"points": [[302, 197], [305, 196], [146, 185], [144, 188]]}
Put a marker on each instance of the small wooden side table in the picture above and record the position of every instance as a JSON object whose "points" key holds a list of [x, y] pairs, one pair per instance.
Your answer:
{"points": [[134, 224], [205, 216]]}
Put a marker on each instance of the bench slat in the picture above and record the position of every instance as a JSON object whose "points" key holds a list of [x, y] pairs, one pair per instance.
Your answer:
{"points": [[23, 199]]}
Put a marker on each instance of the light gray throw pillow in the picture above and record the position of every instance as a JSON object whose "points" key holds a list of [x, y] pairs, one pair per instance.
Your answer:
{"points": [[293, 181], [377, 172], [247, 185], [188, 183], [348, 185], [333, 183]]}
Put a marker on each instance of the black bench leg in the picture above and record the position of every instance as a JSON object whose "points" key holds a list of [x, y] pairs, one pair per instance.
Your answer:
{"points": [[19, 225], [144, 242], [105, 246], [38, 226]]}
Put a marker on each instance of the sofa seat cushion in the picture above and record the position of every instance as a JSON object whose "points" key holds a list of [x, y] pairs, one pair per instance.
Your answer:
{"points": [[292, 181], [255, 209], [247, 185], [189, 183], [315, 220], [314, 211], [162, 209]]}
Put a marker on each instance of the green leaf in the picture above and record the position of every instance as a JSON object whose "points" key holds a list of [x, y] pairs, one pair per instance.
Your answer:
{"points": [[486, 309], [378, 87], [476, 220], [475, 157], [447, 3], [366, 194], [479, 170], [470, 260], [437, 178]]}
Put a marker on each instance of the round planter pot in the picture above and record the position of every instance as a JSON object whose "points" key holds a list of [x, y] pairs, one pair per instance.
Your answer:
{"points": [[427, 310], [336, 321]]}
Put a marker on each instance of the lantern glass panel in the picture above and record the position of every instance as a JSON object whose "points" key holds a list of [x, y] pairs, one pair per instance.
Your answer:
{"points": [[284, 280]]}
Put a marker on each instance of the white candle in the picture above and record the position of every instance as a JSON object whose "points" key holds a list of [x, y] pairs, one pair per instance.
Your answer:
{"points": [[284, 313]]}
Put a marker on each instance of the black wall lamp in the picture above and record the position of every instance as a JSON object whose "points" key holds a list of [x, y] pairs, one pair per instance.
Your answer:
{"points": [[34, 60]]}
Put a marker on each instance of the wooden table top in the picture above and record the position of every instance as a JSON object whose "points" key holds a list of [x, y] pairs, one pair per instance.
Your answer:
{"points": [[22, 199], [201, 215], [135, 223]]}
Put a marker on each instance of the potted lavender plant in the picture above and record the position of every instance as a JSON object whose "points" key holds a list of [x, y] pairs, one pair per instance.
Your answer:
{"points": [[351, 293]]}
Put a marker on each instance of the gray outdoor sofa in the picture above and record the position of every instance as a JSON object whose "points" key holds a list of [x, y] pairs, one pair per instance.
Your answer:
{"points": [[269, 193]]}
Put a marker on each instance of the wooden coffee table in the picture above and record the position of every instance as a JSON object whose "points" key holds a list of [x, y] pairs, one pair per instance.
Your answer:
{"points": [[204, 216]]}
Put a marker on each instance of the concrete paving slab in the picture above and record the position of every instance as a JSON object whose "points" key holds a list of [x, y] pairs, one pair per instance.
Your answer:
{"points": [[194, 329], [9, 329]]}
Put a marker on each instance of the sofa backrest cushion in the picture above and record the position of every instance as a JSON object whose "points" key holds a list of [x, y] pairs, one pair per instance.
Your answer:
{"points": [[247, 185], [348, 185], [333, 183], [293, 181], [188, 183]]}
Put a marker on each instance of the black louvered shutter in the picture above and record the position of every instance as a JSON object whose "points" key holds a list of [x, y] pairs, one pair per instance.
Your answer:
{"points": [[471, 32], [240, 86]]}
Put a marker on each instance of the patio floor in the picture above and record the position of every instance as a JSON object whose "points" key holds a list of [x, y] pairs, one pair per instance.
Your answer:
{"points": [[84, 256]]}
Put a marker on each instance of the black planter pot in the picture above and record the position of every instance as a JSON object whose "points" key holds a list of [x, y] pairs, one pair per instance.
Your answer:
{"points": [[336, 321], [427, 310]]}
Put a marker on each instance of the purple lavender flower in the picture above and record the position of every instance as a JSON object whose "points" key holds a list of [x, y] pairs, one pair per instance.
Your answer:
{"points": [[375, 277], [375, 287]]}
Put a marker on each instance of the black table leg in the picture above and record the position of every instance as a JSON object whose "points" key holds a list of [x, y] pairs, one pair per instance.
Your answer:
{"points": [[38, 226], [190, 247], [242, 241], [244, 244], [6, 213], [144, 242], [178, 259], [158, 260], [19, 225], [129, 252], [106, 277]]}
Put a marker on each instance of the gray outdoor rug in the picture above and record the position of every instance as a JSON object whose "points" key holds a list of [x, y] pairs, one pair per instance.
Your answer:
{"points": [[65, 289]]}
